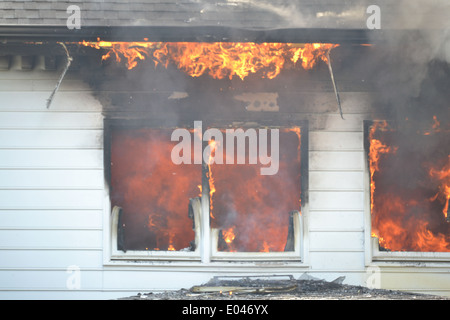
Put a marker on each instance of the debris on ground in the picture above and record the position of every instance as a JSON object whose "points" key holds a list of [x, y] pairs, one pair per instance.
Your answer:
{"points": [[281, 288]]}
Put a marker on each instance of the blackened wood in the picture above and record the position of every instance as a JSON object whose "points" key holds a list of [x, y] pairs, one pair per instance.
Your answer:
{"points": [[290, 241], [221, 244], [5, 62], [27, 62], [192, 33], [120, 233], [194, 205], [50, 63]]}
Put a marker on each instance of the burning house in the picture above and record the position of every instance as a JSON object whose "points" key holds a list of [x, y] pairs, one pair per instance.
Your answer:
{"points": [[159, 144]]}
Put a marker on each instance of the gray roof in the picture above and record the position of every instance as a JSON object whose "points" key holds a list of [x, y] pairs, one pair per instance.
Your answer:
{"points": [[267, 14]]}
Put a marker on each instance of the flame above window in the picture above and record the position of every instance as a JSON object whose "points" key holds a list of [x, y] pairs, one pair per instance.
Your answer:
{"points": [[218, 59]]}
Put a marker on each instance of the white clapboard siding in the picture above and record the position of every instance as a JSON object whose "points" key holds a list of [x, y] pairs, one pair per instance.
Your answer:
{"points": [[50, 120], [52, 219], [51, 199], [336, 191], [50, 238], [51, 186], [434, 281], [336, 161], [336, 220], [48, 279], [35, 139], [336, 200], [336, 240], [63, 101], [51, 179], [63, 294], [333, 122], [324, 261], [353, 181], [51, 159], [336, 141], [141, 280], [36, 258], [42, 85]]}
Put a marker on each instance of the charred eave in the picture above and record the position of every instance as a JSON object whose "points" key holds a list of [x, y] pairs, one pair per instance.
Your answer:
{"points": [[206, 33]]}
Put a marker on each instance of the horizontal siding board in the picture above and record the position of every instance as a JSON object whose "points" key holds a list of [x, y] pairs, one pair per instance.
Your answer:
{"points": [[58, 179], [334, 122], [337, 161], [335, 260], [51, 159], [336, 180], [48, 279], [51, 139], [336, 200], [57, 294], [75, 101], [36, 75], [324, 102], [51, 199], [42, 85], [356, 102], [336, 240], [36, 219], [158, 280], [339, 220], [416, 281], [50, 258], [50, 120], [48, 239], [335, 141]]}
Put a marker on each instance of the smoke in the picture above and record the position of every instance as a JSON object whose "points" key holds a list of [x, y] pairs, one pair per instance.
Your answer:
{"points": [[265, 14], [411, 75], [411, 71]]}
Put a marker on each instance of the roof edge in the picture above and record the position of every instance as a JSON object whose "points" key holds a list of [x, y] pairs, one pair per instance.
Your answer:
{"points": [[187, 34]]}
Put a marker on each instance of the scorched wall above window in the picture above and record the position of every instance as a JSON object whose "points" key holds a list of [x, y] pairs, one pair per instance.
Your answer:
{"points": [[246, 95]]}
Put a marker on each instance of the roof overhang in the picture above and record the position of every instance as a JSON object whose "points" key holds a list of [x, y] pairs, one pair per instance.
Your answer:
{"points": [[10, 33]]}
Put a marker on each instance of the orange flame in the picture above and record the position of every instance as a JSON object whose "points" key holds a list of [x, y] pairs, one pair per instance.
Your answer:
{"points": [[435, 127], [212, 189], [219, 59], [266, 247], [443, 176], [161, 210], [258, 215], [131, 51], [228, 235], [377, 148], [402, 220]]}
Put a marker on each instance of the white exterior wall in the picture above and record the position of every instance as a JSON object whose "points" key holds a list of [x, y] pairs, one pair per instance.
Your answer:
{"points": [[54, 210], [51, 186]]}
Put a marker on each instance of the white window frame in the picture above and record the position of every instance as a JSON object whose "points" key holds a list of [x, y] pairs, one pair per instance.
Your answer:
{"points": [[373, 253], [206, 236]]}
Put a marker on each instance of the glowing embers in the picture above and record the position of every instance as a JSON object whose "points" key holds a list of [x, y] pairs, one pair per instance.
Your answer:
{"points": [[251, 212], [153, 192], [410, 179]]}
